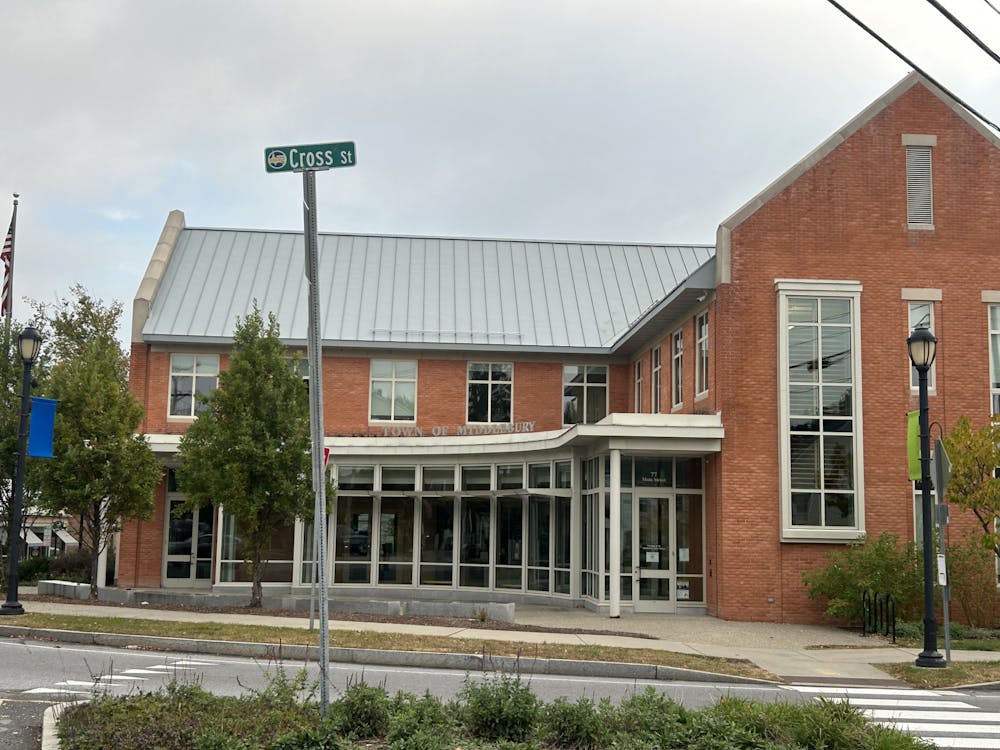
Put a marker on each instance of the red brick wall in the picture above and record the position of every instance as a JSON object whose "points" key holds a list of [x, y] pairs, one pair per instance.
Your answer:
{"points": [[141, 548], [845, 219]]}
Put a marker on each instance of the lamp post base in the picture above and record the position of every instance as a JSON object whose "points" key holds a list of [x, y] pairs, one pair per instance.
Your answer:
{"points": [[932, 659], [11, 608]]}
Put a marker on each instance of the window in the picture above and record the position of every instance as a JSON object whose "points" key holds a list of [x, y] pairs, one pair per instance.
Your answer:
{"points": [[191, 375], [677, 368], [393, 390], [919, 184], [638, 387], [820, 411], [585, 393], [489, 392], [995, 359], [921, 315], [655, 369], [701, 352]]}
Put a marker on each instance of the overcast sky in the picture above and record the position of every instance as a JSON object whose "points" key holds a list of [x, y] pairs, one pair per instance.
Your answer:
{"points": [[551, 119]]}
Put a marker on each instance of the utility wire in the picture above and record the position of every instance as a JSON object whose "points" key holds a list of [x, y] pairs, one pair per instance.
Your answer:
{"points": [[965, 30], [912, 64], [995, 9]]}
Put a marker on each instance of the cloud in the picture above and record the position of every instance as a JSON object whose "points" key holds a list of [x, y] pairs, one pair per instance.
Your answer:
{"points": [[116, 214]]}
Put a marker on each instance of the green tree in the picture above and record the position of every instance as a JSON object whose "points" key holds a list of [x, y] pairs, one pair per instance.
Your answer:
{"points": [[975, 455], [11, 369], [103, 471], [249, 451]]}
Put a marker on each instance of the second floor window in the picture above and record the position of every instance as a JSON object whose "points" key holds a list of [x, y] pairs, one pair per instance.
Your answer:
{"points": [[393, 390], [701, 347], [585, 393], [995, 358], [638, 387], [191, 375], [921, 316], [677, 368], [654, 356], [489, 392]]}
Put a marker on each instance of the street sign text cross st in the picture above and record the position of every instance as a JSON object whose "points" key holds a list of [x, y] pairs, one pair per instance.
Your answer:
{"points": [[313, 157]]}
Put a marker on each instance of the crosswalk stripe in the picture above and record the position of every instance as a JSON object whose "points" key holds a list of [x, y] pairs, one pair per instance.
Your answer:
{"points": [[970, 716], [142, 671], [904, 703], [881, 692], [41, 690], [921, 727], [966, 743]]}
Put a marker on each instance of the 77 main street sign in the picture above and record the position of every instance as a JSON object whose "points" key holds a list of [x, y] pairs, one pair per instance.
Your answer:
{"points": [[313, 157]]}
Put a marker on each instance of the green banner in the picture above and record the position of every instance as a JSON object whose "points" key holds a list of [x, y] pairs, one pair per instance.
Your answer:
{"points": [[913, 444]]}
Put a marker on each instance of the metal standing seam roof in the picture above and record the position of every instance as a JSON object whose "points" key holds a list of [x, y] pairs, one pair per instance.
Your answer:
{"points": [[418, 291]]}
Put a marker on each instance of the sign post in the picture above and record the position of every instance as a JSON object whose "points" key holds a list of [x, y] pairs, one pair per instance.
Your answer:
{"points": [[942, 473], [310, 159]]}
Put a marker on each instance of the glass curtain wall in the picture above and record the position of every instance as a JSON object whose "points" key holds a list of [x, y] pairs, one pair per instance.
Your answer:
{"points": [[680, 479], [481, 526]]}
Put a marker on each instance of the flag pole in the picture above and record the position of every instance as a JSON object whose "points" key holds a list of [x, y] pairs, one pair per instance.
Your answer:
{"points": [[8, 281]]}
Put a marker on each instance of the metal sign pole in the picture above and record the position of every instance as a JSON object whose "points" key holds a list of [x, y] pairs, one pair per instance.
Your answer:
{"points": [[316, 429]]}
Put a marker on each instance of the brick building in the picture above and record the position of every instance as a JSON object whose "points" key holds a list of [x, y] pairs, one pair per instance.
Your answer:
{"points": [[635, 428]]}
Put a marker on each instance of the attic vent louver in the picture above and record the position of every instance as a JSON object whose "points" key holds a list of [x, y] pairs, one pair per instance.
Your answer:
{"points": [[919, 192]]}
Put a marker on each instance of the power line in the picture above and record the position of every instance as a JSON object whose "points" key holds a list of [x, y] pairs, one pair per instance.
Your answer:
{"points": [[912, 64], [965, 29], [995, 9]]}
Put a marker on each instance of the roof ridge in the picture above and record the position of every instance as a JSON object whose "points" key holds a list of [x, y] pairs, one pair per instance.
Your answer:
{"points": [[458, 238]]}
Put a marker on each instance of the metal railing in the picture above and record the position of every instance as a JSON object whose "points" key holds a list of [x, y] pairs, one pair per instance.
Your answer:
{"points": [[878, 614]]}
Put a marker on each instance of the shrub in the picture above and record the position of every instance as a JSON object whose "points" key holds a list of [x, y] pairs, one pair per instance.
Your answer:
{"points": [[32, 569], [363, 711], [972, 575], [580, 726], [499, 708], [420, 723], [649, 717], [214, 739], [307, 739], [881, 565], [71, 566]]}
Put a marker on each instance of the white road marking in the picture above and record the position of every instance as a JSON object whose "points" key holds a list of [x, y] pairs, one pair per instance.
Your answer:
{"points": [[969, 716], [904, 703]]}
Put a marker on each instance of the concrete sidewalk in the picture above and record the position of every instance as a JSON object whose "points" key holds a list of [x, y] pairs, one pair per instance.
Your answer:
{"points": [[796, 653]]}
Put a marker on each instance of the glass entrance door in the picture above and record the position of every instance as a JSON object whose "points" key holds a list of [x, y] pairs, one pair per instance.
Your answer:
{"points": [[655, 521], [189, 547]]}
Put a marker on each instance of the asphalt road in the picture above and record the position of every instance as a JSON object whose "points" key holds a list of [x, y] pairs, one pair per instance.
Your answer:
{"points": [[36, 674]]}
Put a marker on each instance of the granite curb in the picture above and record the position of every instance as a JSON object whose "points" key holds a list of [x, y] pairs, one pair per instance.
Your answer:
{"points": [[468, 662]]}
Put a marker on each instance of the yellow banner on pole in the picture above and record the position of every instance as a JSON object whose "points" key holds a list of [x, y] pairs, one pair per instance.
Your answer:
{"points": [[913, 444]]}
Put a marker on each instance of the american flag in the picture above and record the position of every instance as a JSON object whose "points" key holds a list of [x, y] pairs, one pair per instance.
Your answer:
{"points": [[7, 258]]}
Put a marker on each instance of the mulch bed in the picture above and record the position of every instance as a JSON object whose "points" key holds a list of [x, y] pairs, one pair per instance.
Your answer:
{"points": [[448, 622]]}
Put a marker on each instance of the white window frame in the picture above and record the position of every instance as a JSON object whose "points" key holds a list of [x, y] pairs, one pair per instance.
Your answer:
{"points": [[677, 369], [194, 389], [656, 370], [393, 379], [490, 383], [993, 341], [851, 290], [931, 373], [637, 370], [701, 354]]}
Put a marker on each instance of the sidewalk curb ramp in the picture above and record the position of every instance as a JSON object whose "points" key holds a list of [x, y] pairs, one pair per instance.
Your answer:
{"points": [[468, 662]]}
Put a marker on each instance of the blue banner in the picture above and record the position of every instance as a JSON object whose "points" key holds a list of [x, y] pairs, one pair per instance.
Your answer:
{"points": [[43, 419]]}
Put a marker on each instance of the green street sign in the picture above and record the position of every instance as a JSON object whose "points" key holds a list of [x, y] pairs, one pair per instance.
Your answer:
{"points": [[314, 157]]}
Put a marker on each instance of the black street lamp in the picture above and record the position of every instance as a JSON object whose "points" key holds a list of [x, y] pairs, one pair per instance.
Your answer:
{"points": [[28, 344], [923, 347]]}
